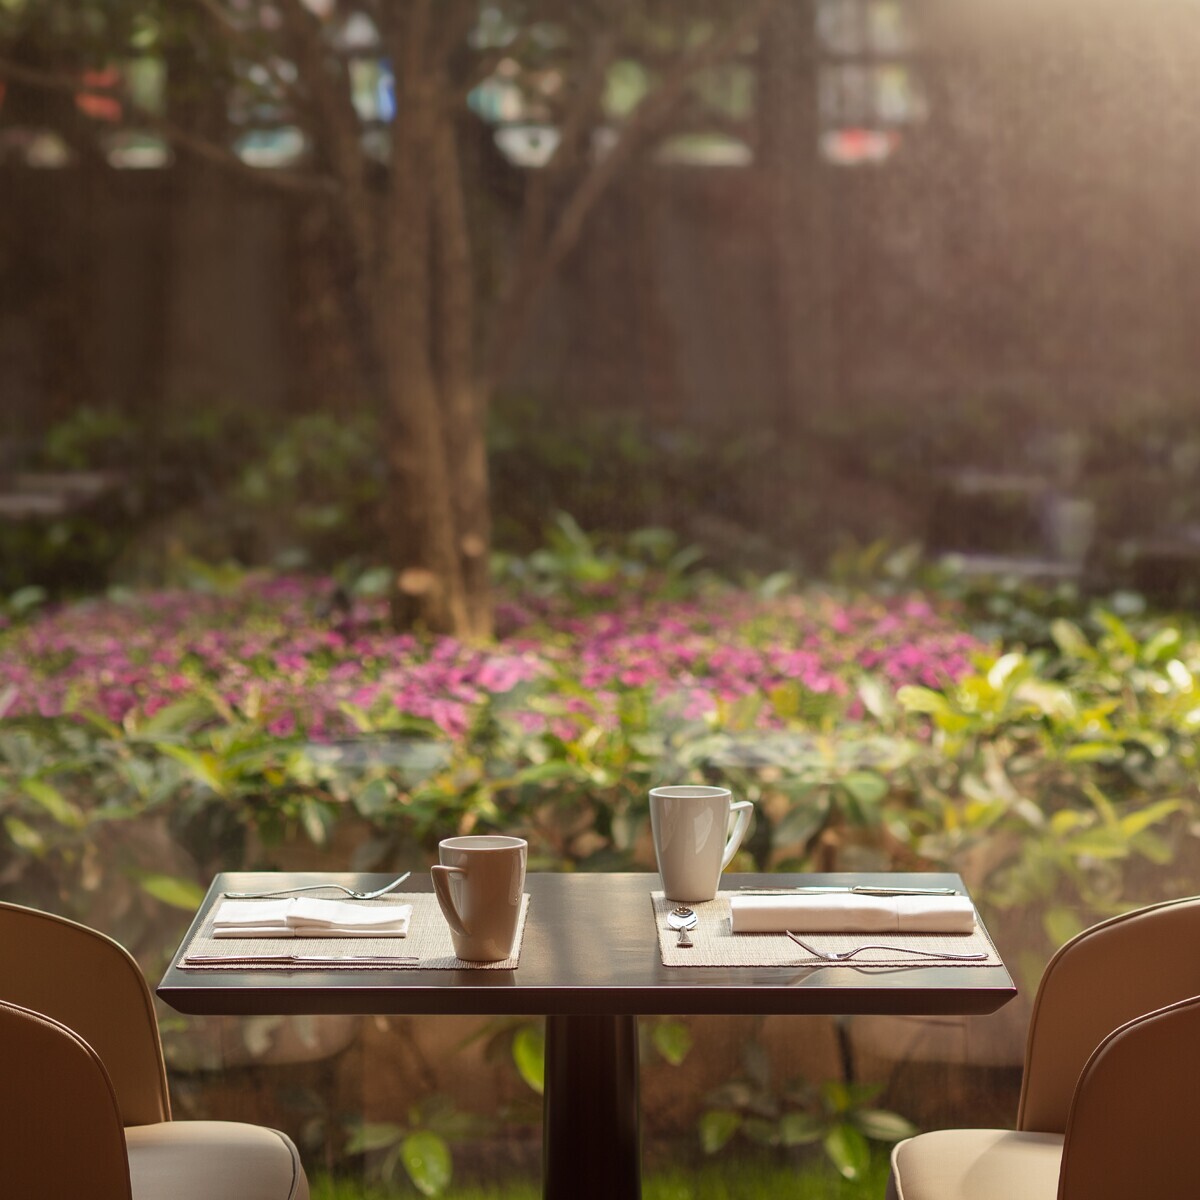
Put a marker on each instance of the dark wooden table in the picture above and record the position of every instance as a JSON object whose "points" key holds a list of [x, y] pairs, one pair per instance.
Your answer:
{"points": [[590, 964]]}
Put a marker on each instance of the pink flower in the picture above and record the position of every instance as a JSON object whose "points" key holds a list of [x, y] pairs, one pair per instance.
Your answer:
{"points": [[282, 726], [499, 675]]}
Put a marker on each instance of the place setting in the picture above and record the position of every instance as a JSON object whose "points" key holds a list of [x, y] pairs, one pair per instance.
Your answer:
{"points": [[473, 919], [697, 830]]}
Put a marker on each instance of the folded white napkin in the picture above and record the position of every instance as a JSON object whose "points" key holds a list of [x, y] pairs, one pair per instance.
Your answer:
{"points": [[840, 913], [300, 916]]}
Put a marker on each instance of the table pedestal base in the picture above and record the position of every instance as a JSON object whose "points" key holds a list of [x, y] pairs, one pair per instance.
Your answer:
{"points": [[590, 1137]]}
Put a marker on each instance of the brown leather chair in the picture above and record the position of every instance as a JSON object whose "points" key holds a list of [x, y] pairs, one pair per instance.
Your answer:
{"points": [[84, 1108], [1087, 1016]]}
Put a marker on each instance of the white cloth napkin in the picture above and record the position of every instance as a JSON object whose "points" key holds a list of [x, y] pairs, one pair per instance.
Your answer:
{"points": [[301, 916], [838, 913]]}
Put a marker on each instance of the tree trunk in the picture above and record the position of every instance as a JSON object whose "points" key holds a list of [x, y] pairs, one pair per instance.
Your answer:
{"points": [[464, 401], [428, 587]]}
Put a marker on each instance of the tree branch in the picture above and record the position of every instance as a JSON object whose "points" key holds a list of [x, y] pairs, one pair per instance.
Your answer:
{"points": [[586, 101], [176, 135], [331, 105], [223, 18], [249, 39], [458, 23], [487, 64], [339, 130], [642, 124]]}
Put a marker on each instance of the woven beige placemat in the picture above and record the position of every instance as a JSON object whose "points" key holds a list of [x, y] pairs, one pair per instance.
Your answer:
{"points": [[428, 940], [716, 945]]}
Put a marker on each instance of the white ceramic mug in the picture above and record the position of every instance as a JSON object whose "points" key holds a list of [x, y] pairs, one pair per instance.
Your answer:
{"points": [[479, 884], [692, 841]]}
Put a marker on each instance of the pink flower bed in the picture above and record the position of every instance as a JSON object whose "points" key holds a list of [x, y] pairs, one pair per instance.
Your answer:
{"points": [[265, 654]]}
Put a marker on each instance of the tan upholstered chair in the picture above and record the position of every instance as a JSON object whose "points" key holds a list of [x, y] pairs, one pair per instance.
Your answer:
{"points": [[1132, 1128], [1086, 1014], [84, 1109]]}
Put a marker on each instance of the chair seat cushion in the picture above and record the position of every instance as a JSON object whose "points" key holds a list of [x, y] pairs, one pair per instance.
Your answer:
{"points": [[976, 1164], [213, 1160]]}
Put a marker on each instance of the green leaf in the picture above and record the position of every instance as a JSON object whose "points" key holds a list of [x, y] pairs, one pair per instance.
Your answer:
{"points": [[848, 1151], [181, 715], [1119, 632], [24, 837], [25, 599], [178, 893], [1097, 843], [734, 1093], [546, 772], [1157, 850], [1094, 752], [529, 1055], [1180, 676], [375, 581], [866, 787], [315, 820], [884, 1126], [52, 801], [785, 700], [1067, 820], [1061, 925], [376, 798], [1070, 639], [835, 1096], [776, 585], [358, 717], [875, 699], [922, 700], [1047, 698], [799, 1129], [1136, 822], [716, 1128], [1002, 671], [673, 1040], [201, 765], [101, 722], [761, 1131], [802, 821], [861, 1093], [427, 1161], [372, 1135], [1164, 642]]}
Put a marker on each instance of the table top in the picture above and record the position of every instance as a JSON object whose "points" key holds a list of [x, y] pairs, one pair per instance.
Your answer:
{"points": [[590, 946]]}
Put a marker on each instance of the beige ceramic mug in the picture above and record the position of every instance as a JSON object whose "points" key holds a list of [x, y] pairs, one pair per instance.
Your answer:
{"points": [[692, 841], [479, 884]]}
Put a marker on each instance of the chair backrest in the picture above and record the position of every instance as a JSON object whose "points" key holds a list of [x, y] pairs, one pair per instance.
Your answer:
{"points": [[1132, 1126], [60, 1128], [1110, 974], [92, 985]]}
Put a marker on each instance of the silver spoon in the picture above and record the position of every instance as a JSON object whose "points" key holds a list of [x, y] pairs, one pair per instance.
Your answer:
{"points": [[845, 955], [317, 887], [682, 919]]}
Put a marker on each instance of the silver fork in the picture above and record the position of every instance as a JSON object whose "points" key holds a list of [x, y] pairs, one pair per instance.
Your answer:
{"points": [[317, 887], [845, 955]]}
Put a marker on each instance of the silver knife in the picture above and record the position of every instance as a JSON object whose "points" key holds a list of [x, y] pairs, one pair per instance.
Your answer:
{"points": [[845, 889], [301, 960]]}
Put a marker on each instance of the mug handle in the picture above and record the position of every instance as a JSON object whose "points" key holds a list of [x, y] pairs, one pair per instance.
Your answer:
{"points": [[743, 809], [441, 885]]}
